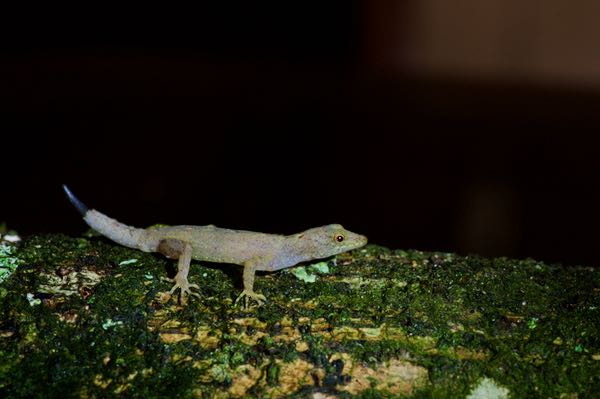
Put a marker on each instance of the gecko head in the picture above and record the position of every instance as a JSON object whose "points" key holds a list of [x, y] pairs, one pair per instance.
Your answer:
{"points": [[329, 240]]}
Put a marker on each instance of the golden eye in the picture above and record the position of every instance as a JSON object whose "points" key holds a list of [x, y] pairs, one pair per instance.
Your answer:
{"points": [[339, 238]]}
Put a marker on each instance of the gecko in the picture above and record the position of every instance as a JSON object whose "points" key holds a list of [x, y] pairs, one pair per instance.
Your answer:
{"points": [[252, 250]]}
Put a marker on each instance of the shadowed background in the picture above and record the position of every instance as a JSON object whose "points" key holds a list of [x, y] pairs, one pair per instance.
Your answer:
{"points": [[469, 128]]}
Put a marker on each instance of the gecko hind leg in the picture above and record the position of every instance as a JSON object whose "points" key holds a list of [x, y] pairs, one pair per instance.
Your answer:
{"points": [[173, 248]]}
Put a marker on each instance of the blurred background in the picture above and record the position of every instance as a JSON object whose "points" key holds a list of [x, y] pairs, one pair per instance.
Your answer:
{"points": [[466, 126]]}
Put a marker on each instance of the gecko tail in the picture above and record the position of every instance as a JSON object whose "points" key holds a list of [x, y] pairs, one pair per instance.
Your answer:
{"points": [[75, 201], [118, 232]]}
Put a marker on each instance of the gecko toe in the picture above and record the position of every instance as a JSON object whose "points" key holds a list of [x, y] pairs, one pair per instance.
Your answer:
{"points": [[185, 289], [247, 296]]}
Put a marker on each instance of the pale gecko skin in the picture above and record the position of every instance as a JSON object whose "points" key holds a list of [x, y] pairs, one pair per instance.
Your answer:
{"points": [[254, 251]]}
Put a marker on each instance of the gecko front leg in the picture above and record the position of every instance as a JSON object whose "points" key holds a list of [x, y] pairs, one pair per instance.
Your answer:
{"points": [[173, 248], [248, 293]]}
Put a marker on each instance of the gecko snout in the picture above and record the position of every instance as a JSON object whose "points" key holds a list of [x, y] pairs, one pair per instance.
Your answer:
{"points": [[361, 240]]}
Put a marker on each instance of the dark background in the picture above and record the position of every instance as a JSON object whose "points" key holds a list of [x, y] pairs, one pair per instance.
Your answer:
{"points": [[283, 117]]}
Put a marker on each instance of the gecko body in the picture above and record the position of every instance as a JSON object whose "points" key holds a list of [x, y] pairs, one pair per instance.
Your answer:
{"points": [[252, 250]]}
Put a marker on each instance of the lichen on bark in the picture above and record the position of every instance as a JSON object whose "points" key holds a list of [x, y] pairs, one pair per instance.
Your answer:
{"points": [[85, 317]]}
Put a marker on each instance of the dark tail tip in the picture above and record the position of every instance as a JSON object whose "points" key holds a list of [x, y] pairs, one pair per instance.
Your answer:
{"points": [[75, 201]]}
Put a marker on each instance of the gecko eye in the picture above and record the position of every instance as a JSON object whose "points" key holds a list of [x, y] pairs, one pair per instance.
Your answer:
{"points": [[339, 238]]}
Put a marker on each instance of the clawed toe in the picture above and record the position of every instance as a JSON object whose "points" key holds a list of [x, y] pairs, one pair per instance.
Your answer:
{"points": [[246, 296], [184, 287]]}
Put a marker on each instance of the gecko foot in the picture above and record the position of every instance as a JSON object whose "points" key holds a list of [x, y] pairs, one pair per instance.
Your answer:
{"points": [[246, 296], [185, 288]]}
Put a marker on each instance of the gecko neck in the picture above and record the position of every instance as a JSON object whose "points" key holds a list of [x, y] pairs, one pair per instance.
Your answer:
{"points": [[297, 251]]}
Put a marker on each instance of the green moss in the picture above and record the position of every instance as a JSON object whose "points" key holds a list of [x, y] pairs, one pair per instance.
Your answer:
{"points": [[8, 261], [80, 319], [302, 275]]}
